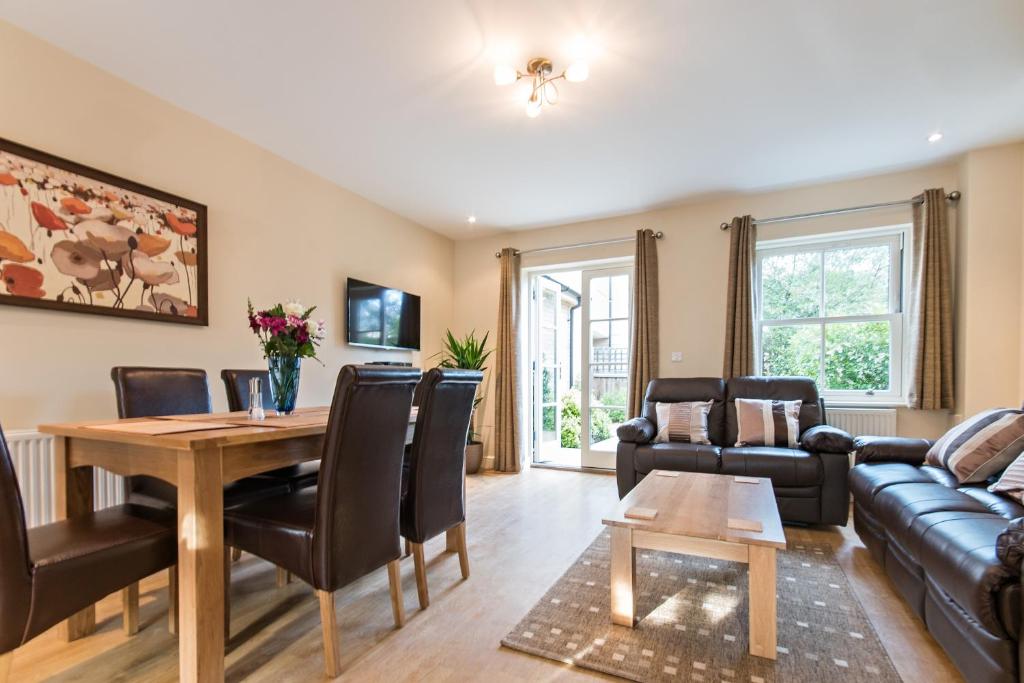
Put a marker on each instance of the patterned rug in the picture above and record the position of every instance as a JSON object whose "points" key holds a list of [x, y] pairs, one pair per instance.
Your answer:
{"points": [[692, 626]]}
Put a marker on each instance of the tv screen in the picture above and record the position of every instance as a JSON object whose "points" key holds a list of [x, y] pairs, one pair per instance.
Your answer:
{"points": [[382, 317]]}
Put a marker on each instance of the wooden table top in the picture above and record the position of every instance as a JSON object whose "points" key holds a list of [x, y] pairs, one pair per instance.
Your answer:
{"points": [[310, 421], [701, 505]]}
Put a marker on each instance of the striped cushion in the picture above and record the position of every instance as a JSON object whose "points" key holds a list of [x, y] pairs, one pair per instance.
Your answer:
{"points": [[1011, 483], [980, 446], [767, 423], [686, 422]]}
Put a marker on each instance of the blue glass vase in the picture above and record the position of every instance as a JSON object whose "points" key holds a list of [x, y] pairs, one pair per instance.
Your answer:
{"points": [[284, 382]]}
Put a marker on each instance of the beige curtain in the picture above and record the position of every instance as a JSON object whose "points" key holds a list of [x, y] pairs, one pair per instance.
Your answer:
{"points": [[931, 306], [506, 374], [739, 312], [643, 355]]}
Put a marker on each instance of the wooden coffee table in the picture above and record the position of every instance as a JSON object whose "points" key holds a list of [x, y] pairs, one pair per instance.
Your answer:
{"points": [[721, 516]]}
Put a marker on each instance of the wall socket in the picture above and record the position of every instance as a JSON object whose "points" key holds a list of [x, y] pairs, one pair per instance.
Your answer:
{"points": [[677, 356]]}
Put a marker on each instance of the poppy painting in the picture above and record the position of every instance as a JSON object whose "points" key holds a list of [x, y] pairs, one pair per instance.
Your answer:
{"points": [[76, 239]]}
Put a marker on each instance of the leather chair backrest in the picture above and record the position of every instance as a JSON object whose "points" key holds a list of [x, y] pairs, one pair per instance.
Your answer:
{"points": [[236, 382], [773, 388], [685, 389], [357, 508], [435, 501], [15, 567], [152, 392]]}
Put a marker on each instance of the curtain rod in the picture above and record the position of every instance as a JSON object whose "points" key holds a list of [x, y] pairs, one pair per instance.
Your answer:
{"points": [[953, 196], [618, 240]]}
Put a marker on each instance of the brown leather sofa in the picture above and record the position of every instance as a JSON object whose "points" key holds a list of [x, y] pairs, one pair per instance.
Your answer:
{"points": [[810, 482], [951, 551]]}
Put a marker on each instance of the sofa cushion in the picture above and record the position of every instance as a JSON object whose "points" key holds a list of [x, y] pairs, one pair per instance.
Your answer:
{"points": [[681, 457], [784, 466], [897, 506], [1011, 481], [767, 423], [772, 388], [959, 556], [980, 446], [867, 479], [683, 421], [995, 503], [677, 389]]}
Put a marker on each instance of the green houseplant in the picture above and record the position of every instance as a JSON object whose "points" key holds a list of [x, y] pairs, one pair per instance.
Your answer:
{"points": [[468, 353]]}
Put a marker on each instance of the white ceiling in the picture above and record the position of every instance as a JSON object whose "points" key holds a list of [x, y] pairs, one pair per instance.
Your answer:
{"points": [[395, 99]]}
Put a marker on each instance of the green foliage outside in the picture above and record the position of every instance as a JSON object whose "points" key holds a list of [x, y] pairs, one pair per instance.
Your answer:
{"points": [[602, 421]]}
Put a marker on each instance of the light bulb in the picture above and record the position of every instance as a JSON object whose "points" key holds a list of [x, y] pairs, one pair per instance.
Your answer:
{"points": [[505, 75], [935, 137], [533, 108], [471, 219], [577, 72]]}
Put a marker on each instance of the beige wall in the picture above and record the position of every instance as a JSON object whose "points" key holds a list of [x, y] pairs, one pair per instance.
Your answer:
{"points": [[276, 232], [693, 259]]}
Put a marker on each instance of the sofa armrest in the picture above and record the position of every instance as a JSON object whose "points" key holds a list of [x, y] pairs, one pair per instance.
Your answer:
{"points": [[891, 449], [637, 430], [826, 439], [1010, 545]]}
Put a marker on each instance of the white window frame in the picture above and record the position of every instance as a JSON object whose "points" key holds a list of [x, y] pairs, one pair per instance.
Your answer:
{"points": [[897, 237]]}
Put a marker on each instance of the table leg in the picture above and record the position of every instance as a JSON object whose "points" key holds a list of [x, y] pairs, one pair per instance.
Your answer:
{"points": [[623, 577], [761, 581], [73, 492], [200, 566]]}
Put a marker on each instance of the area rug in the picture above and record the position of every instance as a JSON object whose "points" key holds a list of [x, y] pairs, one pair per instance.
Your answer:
{"points": [[692, 626]]}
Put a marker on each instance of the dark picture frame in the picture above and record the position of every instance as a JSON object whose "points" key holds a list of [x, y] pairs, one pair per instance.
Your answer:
{"points": [[74, 238]]}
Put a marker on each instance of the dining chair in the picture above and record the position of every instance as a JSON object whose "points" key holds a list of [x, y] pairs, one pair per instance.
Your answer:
{"points": [[348, 525], [51, 572], [433, 486]]}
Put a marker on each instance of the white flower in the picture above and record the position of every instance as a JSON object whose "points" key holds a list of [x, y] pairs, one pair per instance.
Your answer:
{"points": [[294, 308], [313, 329]]}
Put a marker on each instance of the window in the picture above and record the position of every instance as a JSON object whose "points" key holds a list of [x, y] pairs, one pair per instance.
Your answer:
{"points": [[830, 308]]}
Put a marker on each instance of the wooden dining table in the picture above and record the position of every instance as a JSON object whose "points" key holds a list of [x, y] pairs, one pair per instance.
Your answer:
{"points": [[198, 454]]}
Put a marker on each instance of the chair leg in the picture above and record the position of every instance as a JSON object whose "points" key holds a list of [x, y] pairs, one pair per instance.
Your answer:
{"points": [[236, 554], [172, 600], [421, 574], [460, 543], [130, 609], [5, 665], [451, 540], [329, 624], [284, 577], [395, 584], [227, 593]]}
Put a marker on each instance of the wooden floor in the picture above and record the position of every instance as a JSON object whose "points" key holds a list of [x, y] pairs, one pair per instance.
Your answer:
{"points": [[523, 532]]}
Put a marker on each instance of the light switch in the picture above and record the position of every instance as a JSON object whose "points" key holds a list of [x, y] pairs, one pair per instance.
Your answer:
{"points": [[677, 356]]}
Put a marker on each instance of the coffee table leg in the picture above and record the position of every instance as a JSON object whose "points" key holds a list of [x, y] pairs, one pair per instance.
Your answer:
{"points": [[623, 576], [762, 601]]}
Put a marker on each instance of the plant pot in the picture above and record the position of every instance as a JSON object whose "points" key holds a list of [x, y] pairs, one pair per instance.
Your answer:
{"points": [[474, 456]]}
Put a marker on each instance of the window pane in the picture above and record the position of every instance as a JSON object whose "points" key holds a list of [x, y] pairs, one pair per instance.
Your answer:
{"points": [[791, 350], [549, 308], [791, 285], [857, 281], [549, 424], [620, 296], [602, 424], [599, 298], [857, 356]]}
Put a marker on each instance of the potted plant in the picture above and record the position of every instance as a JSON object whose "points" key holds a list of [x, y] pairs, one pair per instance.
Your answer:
{"points": [[287, 334], [468, 353]]}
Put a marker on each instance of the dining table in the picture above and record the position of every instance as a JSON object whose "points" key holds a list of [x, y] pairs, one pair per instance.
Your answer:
{"points": [[198, 454]]}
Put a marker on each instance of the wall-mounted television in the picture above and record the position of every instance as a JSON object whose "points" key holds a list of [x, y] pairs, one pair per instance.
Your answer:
{"points": [[382, 317]]}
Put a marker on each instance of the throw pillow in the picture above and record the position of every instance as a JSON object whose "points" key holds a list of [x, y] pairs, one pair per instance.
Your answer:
{"points": [[1011, 482], [686, 422], [980, 446], [767, 423]]}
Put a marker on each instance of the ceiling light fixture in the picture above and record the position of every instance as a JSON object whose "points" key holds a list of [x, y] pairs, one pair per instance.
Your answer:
{"points": [[935, 137], [471, 219], [539, 70]]}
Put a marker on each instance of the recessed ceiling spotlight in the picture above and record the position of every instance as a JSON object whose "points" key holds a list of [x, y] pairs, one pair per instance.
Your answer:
{"points": [[471, 219], [935, 137]]}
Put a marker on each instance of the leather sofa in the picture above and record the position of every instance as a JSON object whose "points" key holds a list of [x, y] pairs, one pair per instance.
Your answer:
{"points": [[810, 482], [947, 550]]}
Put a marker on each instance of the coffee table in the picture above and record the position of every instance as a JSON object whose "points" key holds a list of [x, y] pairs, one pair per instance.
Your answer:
{"points": [[720, 516]]}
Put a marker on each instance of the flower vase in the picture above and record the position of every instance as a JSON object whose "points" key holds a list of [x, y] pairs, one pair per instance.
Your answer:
{"points": [[284, 382]]}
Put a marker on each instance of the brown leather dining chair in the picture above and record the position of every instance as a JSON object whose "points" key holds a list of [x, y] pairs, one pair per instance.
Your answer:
{"points": [[51, 572], [347, 526], [433, 486]]}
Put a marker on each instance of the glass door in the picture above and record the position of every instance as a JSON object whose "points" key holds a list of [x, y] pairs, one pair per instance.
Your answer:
{"points": [[607, 297], [547, 374]]}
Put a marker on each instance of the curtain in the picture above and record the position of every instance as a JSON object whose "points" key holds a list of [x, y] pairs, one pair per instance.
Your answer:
{"points": [[931, 306], [506, 374], [643, 356], [739, 315]]}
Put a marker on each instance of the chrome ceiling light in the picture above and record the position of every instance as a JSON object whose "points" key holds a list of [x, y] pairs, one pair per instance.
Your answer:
{"points": [[539, 70]]}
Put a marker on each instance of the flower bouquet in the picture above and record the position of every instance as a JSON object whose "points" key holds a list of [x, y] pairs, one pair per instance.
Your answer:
{"points": [[287, 334]]}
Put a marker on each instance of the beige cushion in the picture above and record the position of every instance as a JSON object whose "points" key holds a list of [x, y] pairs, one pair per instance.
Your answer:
{"points": [[1011, 482], [685, 421], [767, 423], [980, 446]]}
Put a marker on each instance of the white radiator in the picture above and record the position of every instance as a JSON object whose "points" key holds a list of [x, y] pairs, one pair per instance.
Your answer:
{"points": [[32, 453], [863, 421]]}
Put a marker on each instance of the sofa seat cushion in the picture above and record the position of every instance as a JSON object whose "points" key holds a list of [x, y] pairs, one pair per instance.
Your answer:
{"points": [[959, 557], [784, 466], [897, 506], [995, 503], [680, 457], [940, 476], [867, 479], [909, 538]]}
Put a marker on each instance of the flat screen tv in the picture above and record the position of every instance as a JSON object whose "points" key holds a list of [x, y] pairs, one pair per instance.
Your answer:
{"points": [[382, 317]]}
